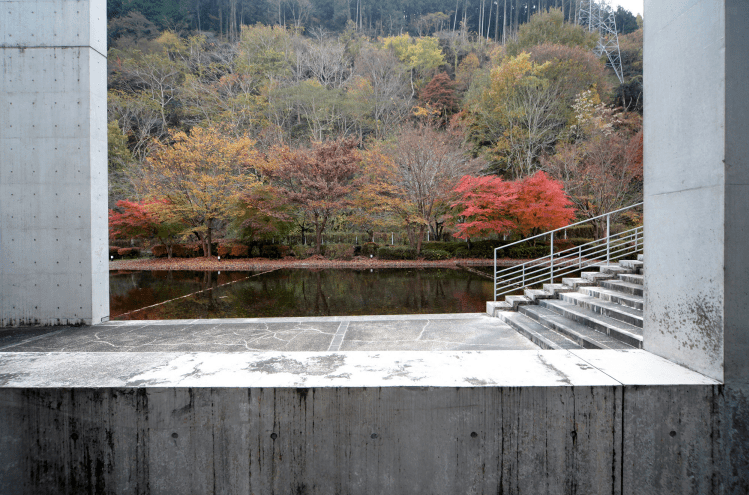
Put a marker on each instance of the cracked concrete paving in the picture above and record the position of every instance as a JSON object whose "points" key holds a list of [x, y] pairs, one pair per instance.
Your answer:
{"points": [[455, 332]]}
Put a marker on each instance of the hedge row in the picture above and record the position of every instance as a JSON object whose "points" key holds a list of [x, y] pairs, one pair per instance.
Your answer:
{"points": [[430, 250]]}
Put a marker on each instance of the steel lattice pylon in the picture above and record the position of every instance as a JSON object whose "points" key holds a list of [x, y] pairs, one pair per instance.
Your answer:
{"points": [[598, 16]]}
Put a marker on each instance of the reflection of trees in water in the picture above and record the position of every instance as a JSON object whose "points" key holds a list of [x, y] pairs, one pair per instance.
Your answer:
{"points": [[296, 292]]}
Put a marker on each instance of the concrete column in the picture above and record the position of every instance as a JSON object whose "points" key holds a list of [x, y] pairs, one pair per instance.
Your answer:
{"points": [[53, 162], [697, 202]]}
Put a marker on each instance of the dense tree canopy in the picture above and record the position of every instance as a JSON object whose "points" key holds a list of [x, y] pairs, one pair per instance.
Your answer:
{"points": [[256, 120]]}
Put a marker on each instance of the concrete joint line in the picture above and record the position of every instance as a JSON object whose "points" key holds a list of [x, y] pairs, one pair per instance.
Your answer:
{"points": [[69, 47], [32, 339], [596, 367], [335, 344]]}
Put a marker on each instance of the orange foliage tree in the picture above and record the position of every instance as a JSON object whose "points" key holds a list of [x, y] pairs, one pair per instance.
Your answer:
{"points": [[200, 177], [530, 206]]}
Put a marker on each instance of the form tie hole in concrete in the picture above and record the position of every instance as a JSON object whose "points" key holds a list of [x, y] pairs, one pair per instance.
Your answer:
{"points": [[74, 436], [474, 434], [175, 435], [273, 436], [573, 434], [673, 434], [374, 435]]}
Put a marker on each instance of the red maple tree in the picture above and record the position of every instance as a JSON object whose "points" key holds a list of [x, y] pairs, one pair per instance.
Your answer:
{"points": [[485, 204], [490, 205], [541, 205], [144, 220]]}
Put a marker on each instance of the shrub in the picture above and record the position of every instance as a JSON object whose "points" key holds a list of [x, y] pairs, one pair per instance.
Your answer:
{"points": [[274, 251], [255, 252], [585, 231], [396, 253], [435, 254], [339, 251], [302, 252], [462, 252], [450, 247], [239, 251], [526, 251], [159, 251], [484, 249], [179, 251], [369, 248], [131, 252], [223, 250]]}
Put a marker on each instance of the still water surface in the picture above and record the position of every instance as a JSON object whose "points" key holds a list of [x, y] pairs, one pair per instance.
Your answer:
{"points": [[163, 295]]}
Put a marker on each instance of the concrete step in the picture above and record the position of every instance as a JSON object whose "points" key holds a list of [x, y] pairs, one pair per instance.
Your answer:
{"points": [[640, 257], [628, 300], [576, 282], [535, 294], [493, 306], [632, 278], [596, 276], [605, 308], [516, 301], [626, 287], [619, 330], [585, 337], [631, 264], [557, 288], [614, 269], [535, 332]]}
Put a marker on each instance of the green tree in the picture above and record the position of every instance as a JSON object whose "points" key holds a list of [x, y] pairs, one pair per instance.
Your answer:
{"points": [[549, 27]]}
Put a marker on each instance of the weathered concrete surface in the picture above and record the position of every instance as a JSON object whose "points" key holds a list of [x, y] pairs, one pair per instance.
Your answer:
{"points": [[53, 170], [357, 422], [361, 333], [696, 198]]}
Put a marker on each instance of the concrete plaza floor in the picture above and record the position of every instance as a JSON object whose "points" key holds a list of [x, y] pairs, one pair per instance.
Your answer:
{"points": [[444, 332]]}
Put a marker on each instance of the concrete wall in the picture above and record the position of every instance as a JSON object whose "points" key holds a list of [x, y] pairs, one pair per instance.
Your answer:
{"points": [[354, 440], [696, 202], [53, 165]]}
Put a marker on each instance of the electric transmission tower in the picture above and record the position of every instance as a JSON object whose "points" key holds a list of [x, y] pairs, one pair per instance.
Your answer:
{"points": [[597, 16]]}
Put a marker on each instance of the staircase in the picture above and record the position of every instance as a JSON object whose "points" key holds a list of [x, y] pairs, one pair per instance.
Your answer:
{"points": [[600, 310]]}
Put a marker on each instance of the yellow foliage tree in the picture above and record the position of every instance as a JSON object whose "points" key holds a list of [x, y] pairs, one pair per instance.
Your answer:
{"points": [[199, 178]]}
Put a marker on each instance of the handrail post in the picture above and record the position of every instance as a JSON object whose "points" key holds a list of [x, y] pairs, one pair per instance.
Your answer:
{"points": [[495, 275], [580, 257], [523, 284], [608, 238], [551, 277]]}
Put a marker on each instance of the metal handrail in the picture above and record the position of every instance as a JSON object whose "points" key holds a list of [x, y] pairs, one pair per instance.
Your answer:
{"points": [[535, 271]]}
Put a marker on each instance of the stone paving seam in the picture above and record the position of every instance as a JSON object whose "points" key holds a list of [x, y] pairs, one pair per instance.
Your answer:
{"points": [[335, 345]]}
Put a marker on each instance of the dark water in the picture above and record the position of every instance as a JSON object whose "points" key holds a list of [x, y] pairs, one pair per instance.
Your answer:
{"points": [[295, 292]]}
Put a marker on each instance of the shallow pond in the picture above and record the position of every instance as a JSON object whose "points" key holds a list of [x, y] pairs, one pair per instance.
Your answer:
{"points": [[157, 295]]}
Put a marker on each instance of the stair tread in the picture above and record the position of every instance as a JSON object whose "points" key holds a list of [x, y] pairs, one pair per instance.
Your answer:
{"points": [[538, 333], [627, 330], [620, 284], [632, 278], [597, 292], [559, 323], [613, 307], [573, 281]]}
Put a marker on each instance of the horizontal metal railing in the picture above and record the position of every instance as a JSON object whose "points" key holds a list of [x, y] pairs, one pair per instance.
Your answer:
{"points": [[560, 263]]}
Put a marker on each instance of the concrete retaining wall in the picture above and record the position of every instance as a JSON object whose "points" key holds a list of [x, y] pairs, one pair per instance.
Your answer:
{"points": [[596, 440]]}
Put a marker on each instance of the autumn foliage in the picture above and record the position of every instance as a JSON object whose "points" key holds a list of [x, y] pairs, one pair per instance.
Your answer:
{"points": [[321, 180], [201, 177], [490, 205]]}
